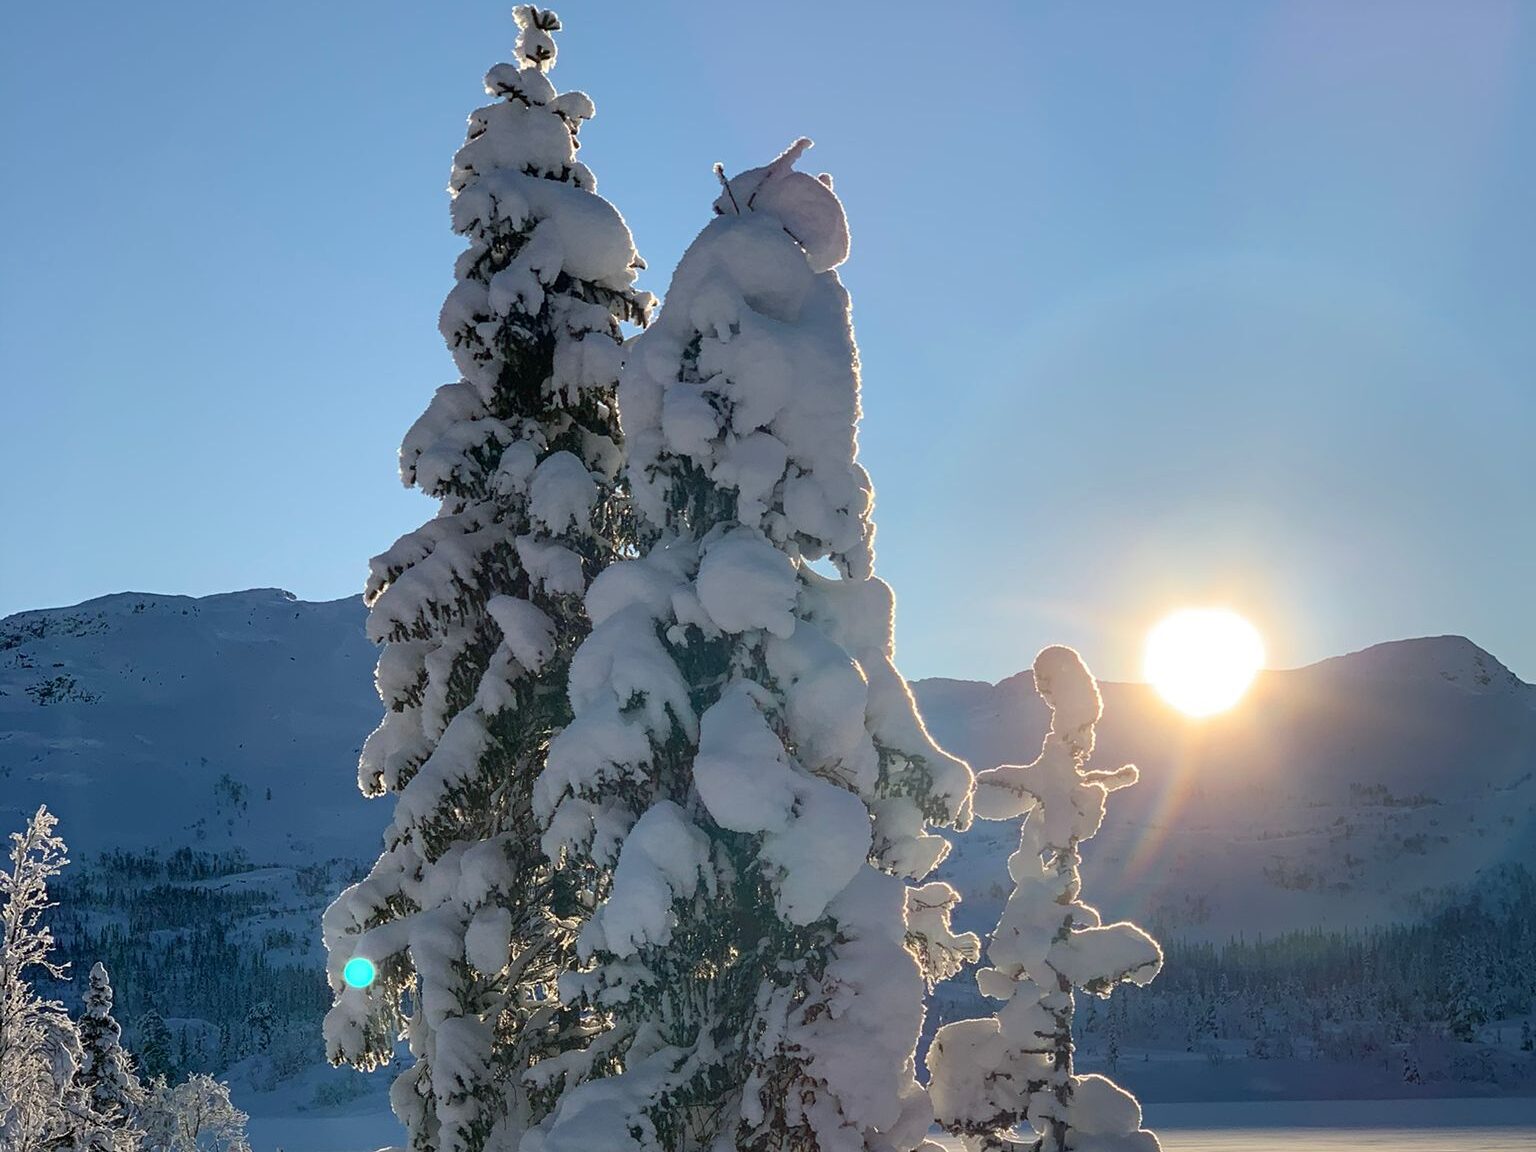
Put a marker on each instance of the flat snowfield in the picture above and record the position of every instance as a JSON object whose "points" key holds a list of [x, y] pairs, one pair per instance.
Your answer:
{"points": [[1505, 1125], [360, 1132], [1348, 1139], [1514, 1113]]}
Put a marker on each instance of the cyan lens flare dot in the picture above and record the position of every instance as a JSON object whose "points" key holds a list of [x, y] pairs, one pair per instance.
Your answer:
{"points": [[359, 972]]}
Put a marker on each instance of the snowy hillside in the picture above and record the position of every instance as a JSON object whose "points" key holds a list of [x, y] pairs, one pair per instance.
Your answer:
{"points": [[1352, 792], [1347, 792], [161, 721], [199, 755]]}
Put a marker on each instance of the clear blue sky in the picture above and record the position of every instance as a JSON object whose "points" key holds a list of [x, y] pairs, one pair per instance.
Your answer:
{"points": [[1157, 304]]}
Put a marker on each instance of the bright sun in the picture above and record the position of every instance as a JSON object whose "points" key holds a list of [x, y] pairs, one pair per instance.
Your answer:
{"points": [[1201, 660]]}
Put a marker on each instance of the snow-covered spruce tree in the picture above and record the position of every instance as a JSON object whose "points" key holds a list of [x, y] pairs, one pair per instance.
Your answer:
{"points": [[106, 1075], [40, 1105], [479, 611], [1465, 1011], [746, 775], [1006, 1081]]}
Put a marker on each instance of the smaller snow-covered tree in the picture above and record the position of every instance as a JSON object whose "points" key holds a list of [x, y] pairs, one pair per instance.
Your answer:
{"points": [[155, 1044], [995, 1078], [260, 1020], [1465, 1009], [40, 1107], [106, 1075], [193, 1116]]}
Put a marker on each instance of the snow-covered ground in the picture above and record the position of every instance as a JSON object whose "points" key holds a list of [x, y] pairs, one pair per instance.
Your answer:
{"points": [[1270, 1126], [1350, 1139], [284, 1120], [1515, 1114], [1340, 1125], [362, 1132], [1336, 1125]]}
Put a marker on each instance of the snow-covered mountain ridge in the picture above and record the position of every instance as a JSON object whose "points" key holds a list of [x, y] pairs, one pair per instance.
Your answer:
{"points": [[1351, 792], [149, 721], [1348, 792]]}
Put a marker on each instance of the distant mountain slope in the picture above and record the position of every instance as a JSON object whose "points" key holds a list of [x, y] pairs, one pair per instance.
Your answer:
{"points": [[1344, 793], [159, 721], [1349, 792]]}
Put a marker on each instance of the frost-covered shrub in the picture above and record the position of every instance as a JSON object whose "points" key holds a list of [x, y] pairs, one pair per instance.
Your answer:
{"points": [[479, 611], [63, 1086], [1007, 1080], [193, 1116], [41, 1105], [745, 775]]}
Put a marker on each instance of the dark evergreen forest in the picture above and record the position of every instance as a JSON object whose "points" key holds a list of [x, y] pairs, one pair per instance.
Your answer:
{"points": [[236, 967]]}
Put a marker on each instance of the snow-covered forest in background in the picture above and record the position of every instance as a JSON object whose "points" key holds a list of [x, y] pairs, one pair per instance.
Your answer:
{"points": [[673, 855]]}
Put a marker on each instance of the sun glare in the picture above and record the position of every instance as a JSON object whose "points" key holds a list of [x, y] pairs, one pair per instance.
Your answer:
{"points": [[1201, 660]]}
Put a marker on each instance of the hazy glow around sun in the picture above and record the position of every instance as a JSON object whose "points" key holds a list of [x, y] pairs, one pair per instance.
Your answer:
{"points": [[1201, 660]]}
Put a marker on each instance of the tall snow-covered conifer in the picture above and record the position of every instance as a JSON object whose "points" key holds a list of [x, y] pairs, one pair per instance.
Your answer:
{"points": [[746, 775], [479, 611], [1006, 1082]]}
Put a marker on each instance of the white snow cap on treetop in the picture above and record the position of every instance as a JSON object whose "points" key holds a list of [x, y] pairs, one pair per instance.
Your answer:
{"points": [[1067, 686], [805, 205], [534, 42]]}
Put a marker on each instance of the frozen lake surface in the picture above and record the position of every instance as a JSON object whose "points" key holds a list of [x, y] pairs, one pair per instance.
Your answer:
{"points": [[1348, 1139], [1335, 1125], [361, 1132], [1507, 1125]]}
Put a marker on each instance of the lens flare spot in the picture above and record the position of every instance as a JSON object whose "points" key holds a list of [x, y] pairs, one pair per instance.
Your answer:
{"points": [[359, 972]]}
